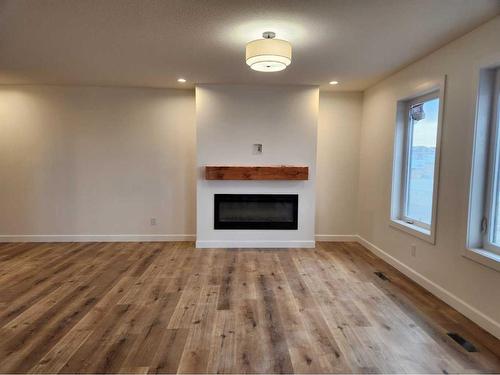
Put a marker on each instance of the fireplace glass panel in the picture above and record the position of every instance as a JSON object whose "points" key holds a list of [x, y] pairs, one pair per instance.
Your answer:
{"points": [[255, 211]]}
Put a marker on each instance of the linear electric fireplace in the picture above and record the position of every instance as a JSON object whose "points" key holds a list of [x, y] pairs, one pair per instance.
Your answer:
{"points": [[255, 211]]}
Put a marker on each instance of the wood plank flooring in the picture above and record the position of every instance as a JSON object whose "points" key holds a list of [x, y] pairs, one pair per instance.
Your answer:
{"points": [[167, 307]]}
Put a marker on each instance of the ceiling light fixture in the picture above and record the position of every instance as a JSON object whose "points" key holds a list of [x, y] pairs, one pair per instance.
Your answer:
{"points": [[181, 80], [334, 82], [268, 54]]}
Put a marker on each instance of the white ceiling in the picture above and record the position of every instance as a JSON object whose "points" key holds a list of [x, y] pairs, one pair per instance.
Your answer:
{"points": [[153, 42]]}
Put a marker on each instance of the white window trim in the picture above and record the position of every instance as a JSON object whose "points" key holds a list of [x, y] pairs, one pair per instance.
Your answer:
{"points": [[424, 232], [474, 248], [484, 257]]}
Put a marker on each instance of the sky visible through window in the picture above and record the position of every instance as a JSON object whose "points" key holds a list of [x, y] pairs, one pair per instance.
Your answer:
{"points": [[421, 164]]}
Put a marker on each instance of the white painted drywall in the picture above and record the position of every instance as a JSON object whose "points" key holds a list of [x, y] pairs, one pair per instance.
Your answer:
{"points": [[338, 164], [90, 163], [96, 162], [474, 286], [229, 120]]}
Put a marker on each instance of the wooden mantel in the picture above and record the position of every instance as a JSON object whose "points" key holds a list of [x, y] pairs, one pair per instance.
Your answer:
{"points": [[271, 172]]}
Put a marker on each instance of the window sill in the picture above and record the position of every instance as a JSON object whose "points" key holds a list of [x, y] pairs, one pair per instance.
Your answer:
{"points": [[414, 230], [484, 257]]}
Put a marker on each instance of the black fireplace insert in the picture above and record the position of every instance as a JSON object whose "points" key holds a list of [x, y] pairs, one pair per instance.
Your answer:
{"points": [[255, 211]]}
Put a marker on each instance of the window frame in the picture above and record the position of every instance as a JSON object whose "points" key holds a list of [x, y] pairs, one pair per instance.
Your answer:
{"points": [[493, 180], [408, 140], [485, 154], [430, 89]]}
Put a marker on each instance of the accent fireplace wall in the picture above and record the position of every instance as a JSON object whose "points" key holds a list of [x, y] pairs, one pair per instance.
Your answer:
{"points": [[230, 120]]}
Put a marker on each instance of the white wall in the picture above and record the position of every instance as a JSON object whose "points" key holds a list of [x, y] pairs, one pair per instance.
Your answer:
{"points": [[96, 161], [229, 120], [90, 163], [338, 165], [471, 287]]}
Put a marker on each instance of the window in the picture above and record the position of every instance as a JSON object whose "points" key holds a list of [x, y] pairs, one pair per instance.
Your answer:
{"points": [[483, 233], [420, 159], [491, 221], [416, 161]]}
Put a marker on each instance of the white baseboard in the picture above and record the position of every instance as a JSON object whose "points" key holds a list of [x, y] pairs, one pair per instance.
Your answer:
{"points": [[162, 237], [98, 238], [451, 299], [256, 244], [337, 237]]}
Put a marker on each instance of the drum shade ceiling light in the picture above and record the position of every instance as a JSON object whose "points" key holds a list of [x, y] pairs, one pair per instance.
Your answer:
{"points": [[268, 54]]}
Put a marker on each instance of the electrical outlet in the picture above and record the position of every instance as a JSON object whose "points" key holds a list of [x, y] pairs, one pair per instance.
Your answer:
{"points": [[413, 250], [153, 221]]}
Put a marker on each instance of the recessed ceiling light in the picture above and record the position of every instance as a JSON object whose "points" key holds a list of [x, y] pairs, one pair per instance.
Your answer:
{"points": [[268, 54], [181, 80], [334, 82]]}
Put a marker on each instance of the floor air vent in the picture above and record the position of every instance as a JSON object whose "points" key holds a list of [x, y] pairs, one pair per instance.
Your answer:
{"points": [[467, 345], [382, 275]]}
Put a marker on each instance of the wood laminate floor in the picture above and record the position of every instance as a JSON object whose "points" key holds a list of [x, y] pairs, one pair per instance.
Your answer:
{"points": [[167, 307]]}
